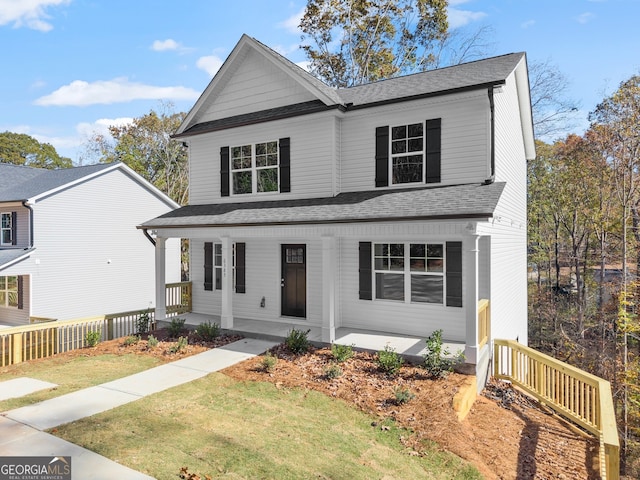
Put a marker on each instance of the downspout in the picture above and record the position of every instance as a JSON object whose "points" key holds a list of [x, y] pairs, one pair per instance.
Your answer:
{"points": [[146, 234], [25, 204], [492, 138]]}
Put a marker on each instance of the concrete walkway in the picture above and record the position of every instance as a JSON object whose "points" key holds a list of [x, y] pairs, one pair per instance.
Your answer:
{"points": [[21, 430]]}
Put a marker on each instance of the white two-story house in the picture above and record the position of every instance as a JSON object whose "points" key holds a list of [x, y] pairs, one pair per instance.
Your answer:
{"points": [[69, 246], [395, 206]]}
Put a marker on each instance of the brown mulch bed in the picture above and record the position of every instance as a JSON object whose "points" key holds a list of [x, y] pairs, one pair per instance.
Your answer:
{"points": [[506, 435]]}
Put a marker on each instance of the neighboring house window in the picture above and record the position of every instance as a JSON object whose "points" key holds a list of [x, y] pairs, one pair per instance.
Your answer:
{"points": [[408, 153], [8, 228], [9, 292], [255, 168], [411, 272], [213, 266]]}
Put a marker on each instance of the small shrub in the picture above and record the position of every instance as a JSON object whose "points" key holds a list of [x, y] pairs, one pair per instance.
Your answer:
{"points": [[435, 363], [403, 395], [152, 342], [131, 340], [297, 341], [208, 331], [389, 361], [332, 371], [176, 327], [180, 345], [269, 362], [143, 323], [93, 338], [341, 353]]}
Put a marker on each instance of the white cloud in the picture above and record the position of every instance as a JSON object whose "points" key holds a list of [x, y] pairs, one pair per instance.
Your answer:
{"points": [[29, 13], [162, 45], [210, 64], [291, 23], [528, 23], [119, 90], [101, 126], [585, 17], [459, 18], [305, 65]]}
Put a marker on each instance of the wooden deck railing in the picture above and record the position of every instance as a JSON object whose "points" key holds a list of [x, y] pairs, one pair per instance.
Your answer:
{"points": [[484, 322], [45, 338], [575, 394]]}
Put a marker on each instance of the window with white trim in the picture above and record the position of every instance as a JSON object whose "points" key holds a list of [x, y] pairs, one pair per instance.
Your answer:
{"points": [[254, 168], [407, 154], [9, 292], [6, 229], [409, 272]]}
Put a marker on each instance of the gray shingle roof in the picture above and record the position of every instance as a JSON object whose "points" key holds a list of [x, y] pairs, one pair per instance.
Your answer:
{"points": [[18, 183], [10, 255], [458, 201]]}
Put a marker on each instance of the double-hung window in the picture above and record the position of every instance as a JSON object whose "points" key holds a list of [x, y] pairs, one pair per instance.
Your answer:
{"points": [[254, 168], [409, 272], [9, 292], [6, 228], [213, 266], [407, 154]]}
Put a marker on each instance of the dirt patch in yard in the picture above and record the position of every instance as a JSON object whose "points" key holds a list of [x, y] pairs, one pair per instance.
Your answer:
{"points": [[506, 435]]}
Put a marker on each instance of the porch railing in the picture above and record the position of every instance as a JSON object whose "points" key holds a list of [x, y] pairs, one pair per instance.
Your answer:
{"points": [[575, 394], [44, 339], [484, 322]]}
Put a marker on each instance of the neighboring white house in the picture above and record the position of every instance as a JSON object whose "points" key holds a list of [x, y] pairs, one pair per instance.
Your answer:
{"points": [[394, 206], [69, 246]]}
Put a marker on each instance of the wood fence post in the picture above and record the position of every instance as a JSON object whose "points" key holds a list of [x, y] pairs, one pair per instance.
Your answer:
{"points": [[16, 339]]}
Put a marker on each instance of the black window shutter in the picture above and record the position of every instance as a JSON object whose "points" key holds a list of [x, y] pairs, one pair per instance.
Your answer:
{"points": [[208, 265], [454, 274], [241, 277], [285, 164], [382, 156], [365, 271], [433, 150], [224, 171], [14, 228], [20, 294]]}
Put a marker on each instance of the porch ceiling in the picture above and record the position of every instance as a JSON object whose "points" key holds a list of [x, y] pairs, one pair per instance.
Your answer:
{"points": [[425, 203]]}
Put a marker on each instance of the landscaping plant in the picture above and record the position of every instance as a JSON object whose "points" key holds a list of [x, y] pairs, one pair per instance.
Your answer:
{"points": [[269, 362], [143, 323], [435, 362], [93, 338], [341, 353], [176, 327], [208, 331], [297, 341], [180, 345], [389, 361]]}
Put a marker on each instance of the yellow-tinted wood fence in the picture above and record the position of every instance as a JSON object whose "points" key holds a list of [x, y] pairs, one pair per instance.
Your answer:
{"points": [[575, 394]]}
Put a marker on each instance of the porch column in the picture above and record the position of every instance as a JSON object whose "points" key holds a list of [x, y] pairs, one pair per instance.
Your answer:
{"points": [[161, 298], [470, 255], [226, 316], [329, 285]]}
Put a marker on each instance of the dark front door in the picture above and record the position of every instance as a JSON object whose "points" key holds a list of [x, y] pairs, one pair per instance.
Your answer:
{"points": [[294, 280]]}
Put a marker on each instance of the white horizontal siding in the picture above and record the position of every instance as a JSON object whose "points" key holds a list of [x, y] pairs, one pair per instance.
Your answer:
{"points": [[312, 158], [465, 147], [90, 259], [257, 85]]}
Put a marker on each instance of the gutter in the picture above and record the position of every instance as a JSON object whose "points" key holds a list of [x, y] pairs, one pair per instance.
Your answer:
{"points": [[26, 204], [492, 137]]}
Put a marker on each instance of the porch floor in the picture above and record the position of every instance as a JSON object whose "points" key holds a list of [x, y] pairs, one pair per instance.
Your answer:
{"points": [[409, 346]]}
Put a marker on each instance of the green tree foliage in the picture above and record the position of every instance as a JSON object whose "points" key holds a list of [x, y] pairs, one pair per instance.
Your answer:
{"points": [[22, 149], [350, 42], [146, 146]]}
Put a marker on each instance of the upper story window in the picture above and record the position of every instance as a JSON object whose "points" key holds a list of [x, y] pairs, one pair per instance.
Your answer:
{"points": [[408, 154], [6, 229], [254, 168]]}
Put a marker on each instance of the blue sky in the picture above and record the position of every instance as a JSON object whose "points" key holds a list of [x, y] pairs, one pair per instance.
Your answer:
{"points": [[73, 67]]}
